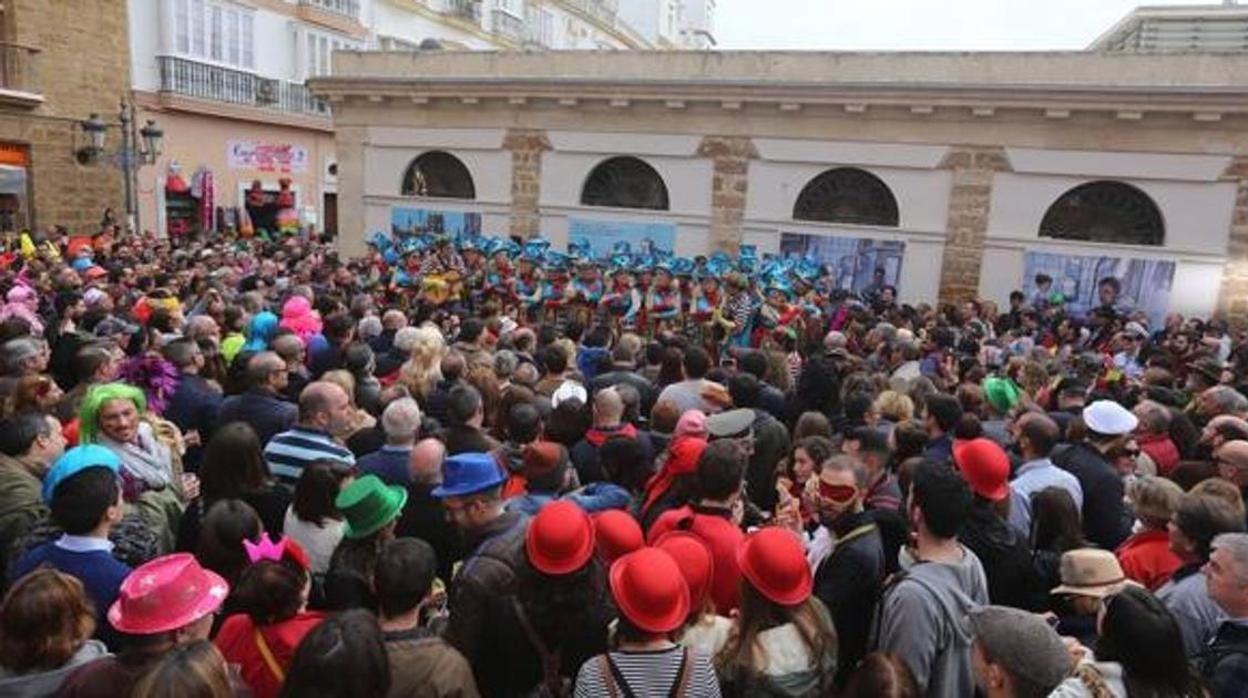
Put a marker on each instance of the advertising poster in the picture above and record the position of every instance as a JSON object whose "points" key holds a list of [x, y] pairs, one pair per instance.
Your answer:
{"points": [[282, 158], [855, 264], [602, 236], [416, 221], [1143, 284]]}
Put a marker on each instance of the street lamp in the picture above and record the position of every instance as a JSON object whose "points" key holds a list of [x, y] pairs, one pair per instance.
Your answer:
{"points": [[137, 149], [95, 130], [153, 142]]}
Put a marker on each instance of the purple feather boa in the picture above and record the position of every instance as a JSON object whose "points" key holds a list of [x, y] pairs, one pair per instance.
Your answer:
{"points": [[153, 375]]}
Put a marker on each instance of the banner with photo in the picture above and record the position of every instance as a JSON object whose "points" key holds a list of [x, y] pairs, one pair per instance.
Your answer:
{"points": [[853, 263], [1143, 284], [416, 221], [602, 236]]}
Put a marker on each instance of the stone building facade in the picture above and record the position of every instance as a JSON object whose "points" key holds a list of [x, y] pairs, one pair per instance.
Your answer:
{"points": [[60, 61], [980, 167]]}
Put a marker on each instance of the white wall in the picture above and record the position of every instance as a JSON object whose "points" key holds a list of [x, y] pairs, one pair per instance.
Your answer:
{"points": [[1197, 215]]}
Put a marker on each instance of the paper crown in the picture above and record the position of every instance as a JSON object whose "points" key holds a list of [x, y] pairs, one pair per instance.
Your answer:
{"points": [[267, 549]]}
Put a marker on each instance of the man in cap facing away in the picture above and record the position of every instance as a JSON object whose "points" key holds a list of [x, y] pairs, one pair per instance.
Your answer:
{"points": [[1016, 654]]}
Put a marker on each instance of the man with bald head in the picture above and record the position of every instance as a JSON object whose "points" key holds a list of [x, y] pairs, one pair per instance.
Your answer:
{"points": [[324, 410], [423, 516], [608, 422], [1036, 434], [261, 405]]}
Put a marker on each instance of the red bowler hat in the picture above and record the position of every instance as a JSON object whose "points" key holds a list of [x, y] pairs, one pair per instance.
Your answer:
{"points": [[650, 591], [560, 538], [773, 561], [985, 467], [695, 562], [166, 594], [617, 533]]}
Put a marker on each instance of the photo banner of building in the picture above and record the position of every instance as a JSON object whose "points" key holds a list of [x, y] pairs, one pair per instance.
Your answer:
{"points": [[852, 262], [1143, 284], [416, 221], [603, 235]]}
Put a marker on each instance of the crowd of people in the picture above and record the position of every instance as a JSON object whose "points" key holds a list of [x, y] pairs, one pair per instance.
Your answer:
{"points": [[251, 467]]}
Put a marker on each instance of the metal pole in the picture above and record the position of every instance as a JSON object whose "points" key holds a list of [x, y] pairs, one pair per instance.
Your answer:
{"points": [[127, 165]]}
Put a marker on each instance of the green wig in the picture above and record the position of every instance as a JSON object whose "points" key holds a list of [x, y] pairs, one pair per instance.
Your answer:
{"points": [[89, 411]]}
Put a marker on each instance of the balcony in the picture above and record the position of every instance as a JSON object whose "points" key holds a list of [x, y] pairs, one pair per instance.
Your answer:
{"points": [[189, 78], [19, 75], [507, 25], [346, 8]]}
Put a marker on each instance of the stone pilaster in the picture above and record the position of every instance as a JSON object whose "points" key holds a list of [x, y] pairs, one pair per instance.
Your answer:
{"points": [[731, 157], [1233, 297], [970, 198], [526, 146]]}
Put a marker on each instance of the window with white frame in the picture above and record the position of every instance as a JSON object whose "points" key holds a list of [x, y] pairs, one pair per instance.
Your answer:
{"points": [[318, 49], [213, 30]]}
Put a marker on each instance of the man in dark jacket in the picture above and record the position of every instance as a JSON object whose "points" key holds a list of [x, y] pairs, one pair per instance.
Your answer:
{"points": [[1225, 663], [624, 370], [771, 441], [195, 403], [471, 493], [1106, 521], [770, 398], [849, 580], [423, 515], [260, 406], [608, 422]]}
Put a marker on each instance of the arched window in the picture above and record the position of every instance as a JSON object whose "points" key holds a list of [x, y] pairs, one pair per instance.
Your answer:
{"points": [[438, 174], [1105, 212], [625, 182], [847, 195]]}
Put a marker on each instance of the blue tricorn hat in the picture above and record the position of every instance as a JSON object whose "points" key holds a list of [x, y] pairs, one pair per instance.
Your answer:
{"points": [[535, 250]]}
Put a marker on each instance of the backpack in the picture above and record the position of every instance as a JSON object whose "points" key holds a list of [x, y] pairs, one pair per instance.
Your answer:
{"points": [[554, 684]]}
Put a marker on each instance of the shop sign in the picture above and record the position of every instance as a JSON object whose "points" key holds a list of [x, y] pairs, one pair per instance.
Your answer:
{"points": [[14, 154], [283, 158]]}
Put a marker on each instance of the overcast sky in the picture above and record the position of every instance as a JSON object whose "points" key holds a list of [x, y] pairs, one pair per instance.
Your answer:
{"points": [[919, 25]]}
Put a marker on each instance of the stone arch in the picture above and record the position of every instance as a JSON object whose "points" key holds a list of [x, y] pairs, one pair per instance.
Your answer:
{"points": [[438, 174], [625, 182], [1105, 211], [847, 195]]}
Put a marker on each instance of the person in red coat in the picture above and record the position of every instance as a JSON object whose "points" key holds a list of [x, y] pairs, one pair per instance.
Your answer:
{"points": [[269, 615], [1153, 436], [715, 518], [1145, 556]]}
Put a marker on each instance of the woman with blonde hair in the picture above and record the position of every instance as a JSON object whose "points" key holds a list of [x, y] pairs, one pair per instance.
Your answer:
{"points": [[894, 407], [423, 370], [46, 624]]}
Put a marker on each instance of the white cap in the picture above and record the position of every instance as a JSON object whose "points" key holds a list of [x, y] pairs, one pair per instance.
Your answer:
{"points": [[1135, 329], [1109, 418], [568, 390]]}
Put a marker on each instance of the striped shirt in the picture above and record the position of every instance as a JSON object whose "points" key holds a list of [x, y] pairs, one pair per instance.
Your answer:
{"points": [[650, 674], [289, 452]]}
